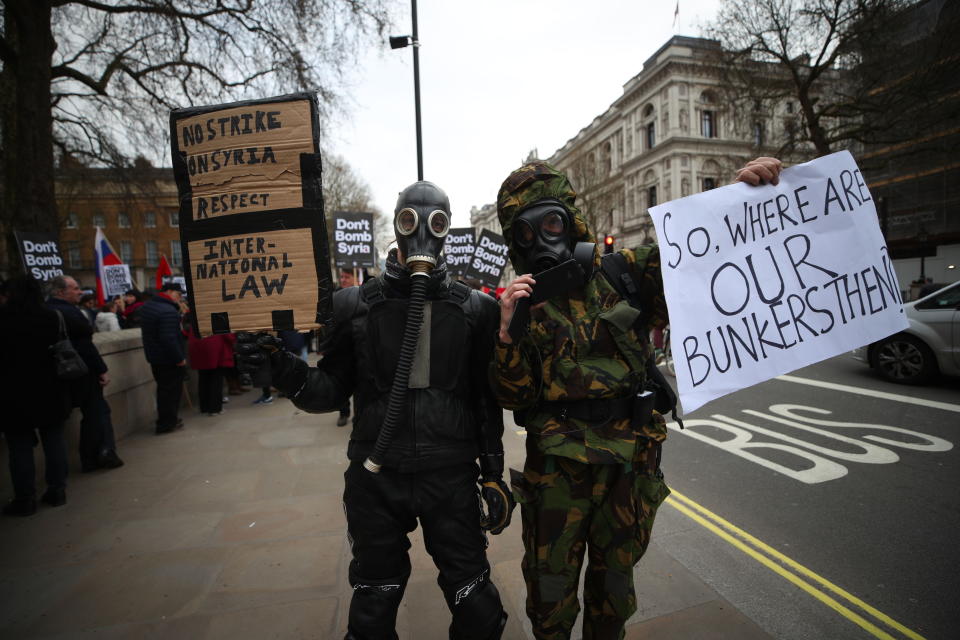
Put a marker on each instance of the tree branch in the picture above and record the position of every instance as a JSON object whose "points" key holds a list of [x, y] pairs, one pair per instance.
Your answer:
{"points": [[168, 10]]}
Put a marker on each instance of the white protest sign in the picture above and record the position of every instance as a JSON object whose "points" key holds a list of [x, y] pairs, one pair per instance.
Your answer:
{"points": [[763, 280], [116, 280]]}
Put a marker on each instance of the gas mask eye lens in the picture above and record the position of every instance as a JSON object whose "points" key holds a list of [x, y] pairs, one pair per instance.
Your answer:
{"points": [[523, 233], [439, 223], [553, 224], [406, 222]]}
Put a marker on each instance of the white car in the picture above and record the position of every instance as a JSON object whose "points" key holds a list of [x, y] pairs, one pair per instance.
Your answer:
{"points": [[928, 347]]}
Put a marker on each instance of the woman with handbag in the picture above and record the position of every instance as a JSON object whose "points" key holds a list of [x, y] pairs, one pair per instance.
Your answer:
{"points": [[41, 401]]}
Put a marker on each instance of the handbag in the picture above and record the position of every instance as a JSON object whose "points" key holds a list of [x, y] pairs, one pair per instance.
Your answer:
{"points": [[70, 366]]}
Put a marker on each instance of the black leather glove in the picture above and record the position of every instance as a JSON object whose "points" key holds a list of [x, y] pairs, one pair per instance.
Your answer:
{"points": [[252, 354], [262, 356], [495, 494]]}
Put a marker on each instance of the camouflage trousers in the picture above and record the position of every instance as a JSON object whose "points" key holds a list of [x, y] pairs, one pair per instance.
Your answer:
{"points": [[569, 508]]}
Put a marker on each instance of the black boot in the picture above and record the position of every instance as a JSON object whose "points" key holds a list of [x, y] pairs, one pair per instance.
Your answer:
{"points": [[20, 507], [55, 497], [109, 460]]}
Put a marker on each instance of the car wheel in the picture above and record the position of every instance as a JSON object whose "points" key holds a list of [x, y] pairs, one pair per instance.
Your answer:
{"points": [[904, 359]]}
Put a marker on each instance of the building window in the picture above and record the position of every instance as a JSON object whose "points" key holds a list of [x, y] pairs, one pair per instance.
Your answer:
{"points": [[789, 107], [174, 218], [708, 124], [71, 222], [758, 134], [99, 220], [149, 219], [152, 259], [709, 183], [73, 255], [123, 220], [176, 258], [126, 251], [652, 196], [651, 135]]}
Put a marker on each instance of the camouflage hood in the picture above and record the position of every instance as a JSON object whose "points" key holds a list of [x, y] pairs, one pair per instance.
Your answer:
{"points": [[531, 183]]}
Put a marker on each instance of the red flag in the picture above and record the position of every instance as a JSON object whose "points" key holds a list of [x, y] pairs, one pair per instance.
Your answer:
{"points": [[163, 270]]}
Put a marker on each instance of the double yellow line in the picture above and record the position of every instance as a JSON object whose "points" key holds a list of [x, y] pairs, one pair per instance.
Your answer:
{"points": [[814, 584]]}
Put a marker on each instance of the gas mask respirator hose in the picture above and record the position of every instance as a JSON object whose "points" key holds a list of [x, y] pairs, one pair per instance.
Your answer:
{"points": [[424, 250], [408, 348]]}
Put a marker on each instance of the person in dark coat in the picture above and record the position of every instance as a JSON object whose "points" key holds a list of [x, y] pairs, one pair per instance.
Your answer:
{"points": [[38, 400], [163, 346], [98, 446]]}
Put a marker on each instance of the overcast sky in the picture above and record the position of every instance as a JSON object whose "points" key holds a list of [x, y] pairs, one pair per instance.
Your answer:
{"points": [[498, 78]]}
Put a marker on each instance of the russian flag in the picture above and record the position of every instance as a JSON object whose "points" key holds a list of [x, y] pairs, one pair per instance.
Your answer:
{"points": [[103, 255]]}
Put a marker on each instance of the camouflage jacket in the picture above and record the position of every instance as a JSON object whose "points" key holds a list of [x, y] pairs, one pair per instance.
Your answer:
{"points": [[584, 346]]}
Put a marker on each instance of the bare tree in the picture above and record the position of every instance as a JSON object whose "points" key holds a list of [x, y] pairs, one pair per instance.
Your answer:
{"points": [[838, 61], [95, 79]]}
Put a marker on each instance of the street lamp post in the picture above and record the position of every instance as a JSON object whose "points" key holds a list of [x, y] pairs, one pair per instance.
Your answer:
{"points": [[398, 42]]}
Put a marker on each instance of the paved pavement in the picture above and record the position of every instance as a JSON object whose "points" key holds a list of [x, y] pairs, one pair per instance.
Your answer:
{"points": [[233, 528]]}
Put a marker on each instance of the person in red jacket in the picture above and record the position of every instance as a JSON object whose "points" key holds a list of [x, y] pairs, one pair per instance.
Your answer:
{"points": [[210, 356]]}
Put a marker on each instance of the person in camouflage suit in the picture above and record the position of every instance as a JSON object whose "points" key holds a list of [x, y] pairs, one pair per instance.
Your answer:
{"points": [[592, 482]]}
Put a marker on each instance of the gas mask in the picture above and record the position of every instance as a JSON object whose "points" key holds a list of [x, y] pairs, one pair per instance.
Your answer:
{"points": [[541, 235], [421, 222]]}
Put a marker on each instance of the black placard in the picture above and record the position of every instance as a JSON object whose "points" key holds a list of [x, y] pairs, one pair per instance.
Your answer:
{"points": [[458, 249], [489, 259], [40, 254], [353, 239]]}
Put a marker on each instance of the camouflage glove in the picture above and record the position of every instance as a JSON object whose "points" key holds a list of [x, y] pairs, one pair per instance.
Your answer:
{"points": [[495, 494], [262, 356]]}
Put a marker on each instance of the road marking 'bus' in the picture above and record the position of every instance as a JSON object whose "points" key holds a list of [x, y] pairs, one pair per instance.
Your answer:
{"points": [[789, 569]]}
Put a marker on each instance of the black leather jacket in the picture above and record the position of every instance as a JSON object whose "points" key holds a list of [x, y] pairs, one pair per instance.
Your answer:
{"points": [[454, 418]]}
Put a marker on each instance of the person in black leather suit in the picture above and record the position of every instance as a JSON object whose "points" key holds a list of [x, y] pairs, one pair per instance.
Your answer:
{"points": [[449, 419]]}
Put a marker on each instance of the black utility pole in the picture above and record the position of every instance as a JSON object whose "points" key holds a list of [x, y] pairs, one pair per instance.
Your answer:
{"points": [[398, 42], [416, 89]]}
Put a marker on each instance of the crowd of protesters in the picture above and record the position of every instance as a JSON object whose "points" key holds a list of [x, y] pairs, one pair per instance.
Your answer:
{"points": [[35, 316]]}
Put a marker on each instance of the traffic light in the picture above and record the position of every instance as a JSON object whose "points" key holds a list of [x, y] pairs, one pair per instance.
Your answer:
{"points": [[608, 244]]}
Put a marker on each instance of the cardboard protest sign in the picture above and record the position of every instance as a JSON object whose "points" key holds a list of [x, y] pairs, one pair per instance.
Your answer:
{"points": [[236, 275], [763, 280], [353, 239], [246, 158], [488, 260], [116, 280], [252, 229], [458, 249], [40, 254]]}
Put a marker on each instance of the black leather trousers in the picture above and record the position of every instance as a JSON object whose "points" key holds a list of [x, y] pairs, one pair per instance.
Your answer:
{"points": [[381, 510]]}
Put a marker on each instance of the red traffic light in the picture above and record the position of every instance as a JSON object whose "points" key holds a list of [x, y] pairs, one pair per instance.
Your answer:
{"points": [[608, 244]]}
